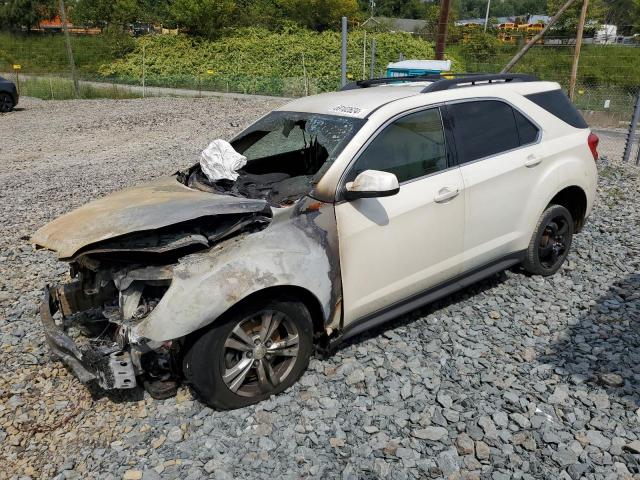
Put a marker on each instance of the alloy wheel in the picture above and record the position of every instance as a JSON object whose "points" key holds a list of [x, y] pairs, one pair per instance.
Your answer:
{"points": [[553, 242], [259, 353]]}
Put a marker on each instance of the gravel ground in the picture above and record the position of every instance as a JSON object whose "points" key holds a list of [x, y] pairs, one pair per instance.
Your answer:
{"points": [[516, 377]]}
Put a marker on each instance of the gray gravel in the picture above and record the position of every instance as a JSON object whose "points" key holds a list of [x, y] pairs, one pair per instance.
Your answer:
{"points": [[515, 378]]}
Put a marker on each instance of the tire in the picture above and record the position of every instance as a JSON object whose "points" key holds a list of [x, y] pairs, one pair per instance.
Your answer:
{"points": [[6, 103], [231, 365], [550, 243]]}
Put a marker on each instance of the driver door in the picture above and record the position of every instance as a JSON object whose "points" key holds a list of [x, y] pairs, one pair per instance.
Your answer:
{"points": [[393, 248]]}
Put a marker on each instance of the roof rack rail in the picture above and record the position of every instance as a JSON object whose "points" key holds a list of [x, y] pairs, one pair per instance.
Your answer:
{"points": [[447, 83], [431, 77], [444, 81]]}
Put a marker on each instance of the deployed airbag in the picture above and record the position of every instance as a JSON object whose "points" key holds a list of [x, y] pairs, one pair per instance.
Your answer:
{"points": [[220, 161]]}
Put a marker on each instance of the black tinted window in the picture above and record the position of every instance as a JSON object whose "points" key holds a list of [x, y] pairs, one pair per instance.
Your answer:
{"points": [[558, 104], [527, 131], [411, 147], [483, 128]]}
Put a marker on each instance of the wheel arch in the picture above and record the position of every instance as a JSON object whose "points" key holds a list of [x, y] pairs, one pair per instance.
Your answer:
{"points": [[288, 292], [206, 289], [12, 95], [574, 199]]}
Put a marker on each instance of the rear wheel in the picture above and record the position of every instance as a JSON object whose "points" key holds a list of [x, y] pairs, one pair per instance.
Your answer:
{"points": [[259, 350], [551, 242], [6, 102]]}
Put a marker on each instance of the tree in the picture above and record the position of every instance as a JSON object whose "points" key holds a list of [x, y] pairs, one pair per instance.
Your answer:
{"points": [[507, 8], [432, 18], [397, 8], [15, 14], [318, 14], [203, 17], [259, 13], [623, 13], [106, 12], [568, 22]]}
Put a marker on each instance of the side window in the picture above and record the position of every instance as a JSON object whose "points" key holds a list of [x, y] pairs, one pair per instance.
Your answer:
{"points": [[483, 128], [411, 147]]}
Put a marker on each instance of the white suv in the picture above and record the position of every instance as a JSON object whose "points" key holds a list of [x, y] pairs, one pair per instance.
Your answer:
{"points": [[354, 207]]}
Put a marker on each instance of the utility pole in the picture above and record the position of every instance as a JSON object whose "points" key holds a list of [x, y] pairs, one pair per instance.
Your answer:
{"points": [[540, 34], [631, 133], [343, 57], [443, 23], [67, 40], [306, 81], [372, 73], [486, 17], [144, 80], [364, 56], [576, 51]]}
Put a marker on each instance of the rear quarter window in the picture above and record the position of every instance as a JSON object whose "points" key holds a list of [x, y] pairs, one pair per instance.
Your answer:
{"points": [[527, 131], [558, 104]]}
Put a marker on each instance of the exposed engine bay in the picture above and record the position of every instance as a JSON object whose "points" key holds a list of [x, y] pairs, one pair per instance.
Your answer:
{"points": [[119, 282], [279, 189]]}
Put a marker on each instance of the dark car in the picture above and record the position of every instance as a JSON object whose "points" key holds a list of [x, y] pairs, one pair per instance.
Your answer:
{"points": [[8, 95]]}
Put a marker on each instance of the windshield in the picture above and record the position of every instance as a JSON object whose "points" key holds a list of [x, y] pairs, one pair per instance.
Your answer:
{"points": [[295, 143], [287, 153]]}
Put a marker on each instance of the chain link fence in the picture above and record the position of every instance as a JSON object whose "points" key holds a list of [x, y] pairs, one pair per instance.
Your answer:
{"points": [[59, 86], [607, 87]]}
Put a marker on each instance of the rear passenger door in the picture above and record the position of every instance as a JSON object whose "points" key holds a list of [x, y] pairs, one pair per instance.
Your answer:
{"points": [[500, 155]]}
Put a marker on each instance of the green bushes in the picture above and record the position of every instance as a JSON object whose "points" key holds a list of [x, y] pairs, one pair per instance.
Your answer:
{"points": [[481, 46], [273, 61]]}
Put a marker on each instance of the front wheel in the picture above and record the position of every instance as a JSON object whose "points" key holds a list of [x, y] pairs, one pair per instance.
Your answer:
{"points": [[6, 102], [550, 243], [259, 350]]}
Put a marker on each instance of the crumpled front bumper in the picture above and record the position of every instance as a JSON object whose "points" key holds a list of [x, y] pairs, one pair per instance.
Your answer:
{"points": [[111, 368]]}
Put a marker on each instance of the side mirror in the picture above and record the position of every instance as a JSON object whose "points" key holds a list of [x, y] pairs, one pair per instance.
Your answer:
{"points": [[371, 184]]}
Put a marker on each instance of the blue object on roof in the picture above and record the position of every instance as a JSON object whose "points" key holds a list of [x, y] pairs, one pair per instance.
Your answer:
{"points": [[407, 68]]}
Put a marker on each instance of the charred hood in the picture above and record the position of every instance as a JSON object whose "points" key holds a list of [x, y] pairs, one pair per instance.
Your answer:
{"points": [[164, 210]]}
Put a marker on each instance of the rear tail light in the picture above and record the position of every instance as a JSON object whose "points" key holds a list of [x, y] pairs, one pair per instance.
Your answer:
{"points": [[593, 141]]}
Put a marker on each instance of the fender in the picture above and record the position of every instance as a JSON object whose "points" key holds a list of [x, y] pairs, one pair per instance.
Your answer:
{"points": [[580, 170], [298, 249], [572, 166]]}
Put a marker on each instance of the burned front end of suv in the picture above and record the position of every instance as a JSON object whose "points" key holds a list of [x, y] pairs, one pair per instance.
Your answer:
{"points": [[122, 251], [152, 267]]}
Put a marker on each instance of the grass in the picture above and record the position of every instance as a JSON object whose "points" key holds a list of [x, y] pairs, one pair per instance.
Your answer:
{"points": [[605, 72], [52, 88], [593, 97], [599, 64], [48, 54]]}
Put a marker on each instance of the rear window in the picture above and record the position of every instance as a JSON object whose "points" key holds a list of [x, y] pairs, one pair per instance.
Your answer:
{"points": [[558, 104]]}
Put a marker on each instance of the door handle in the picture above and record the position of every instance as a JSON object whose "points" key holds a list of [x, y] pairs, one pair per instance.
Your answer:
{"points": [[532, 161], [447, 193]]}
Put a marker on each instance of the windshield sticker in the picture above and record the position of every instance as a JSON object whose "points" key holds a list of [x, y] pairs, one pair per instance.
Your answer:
{"points": [[347, 110]]}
